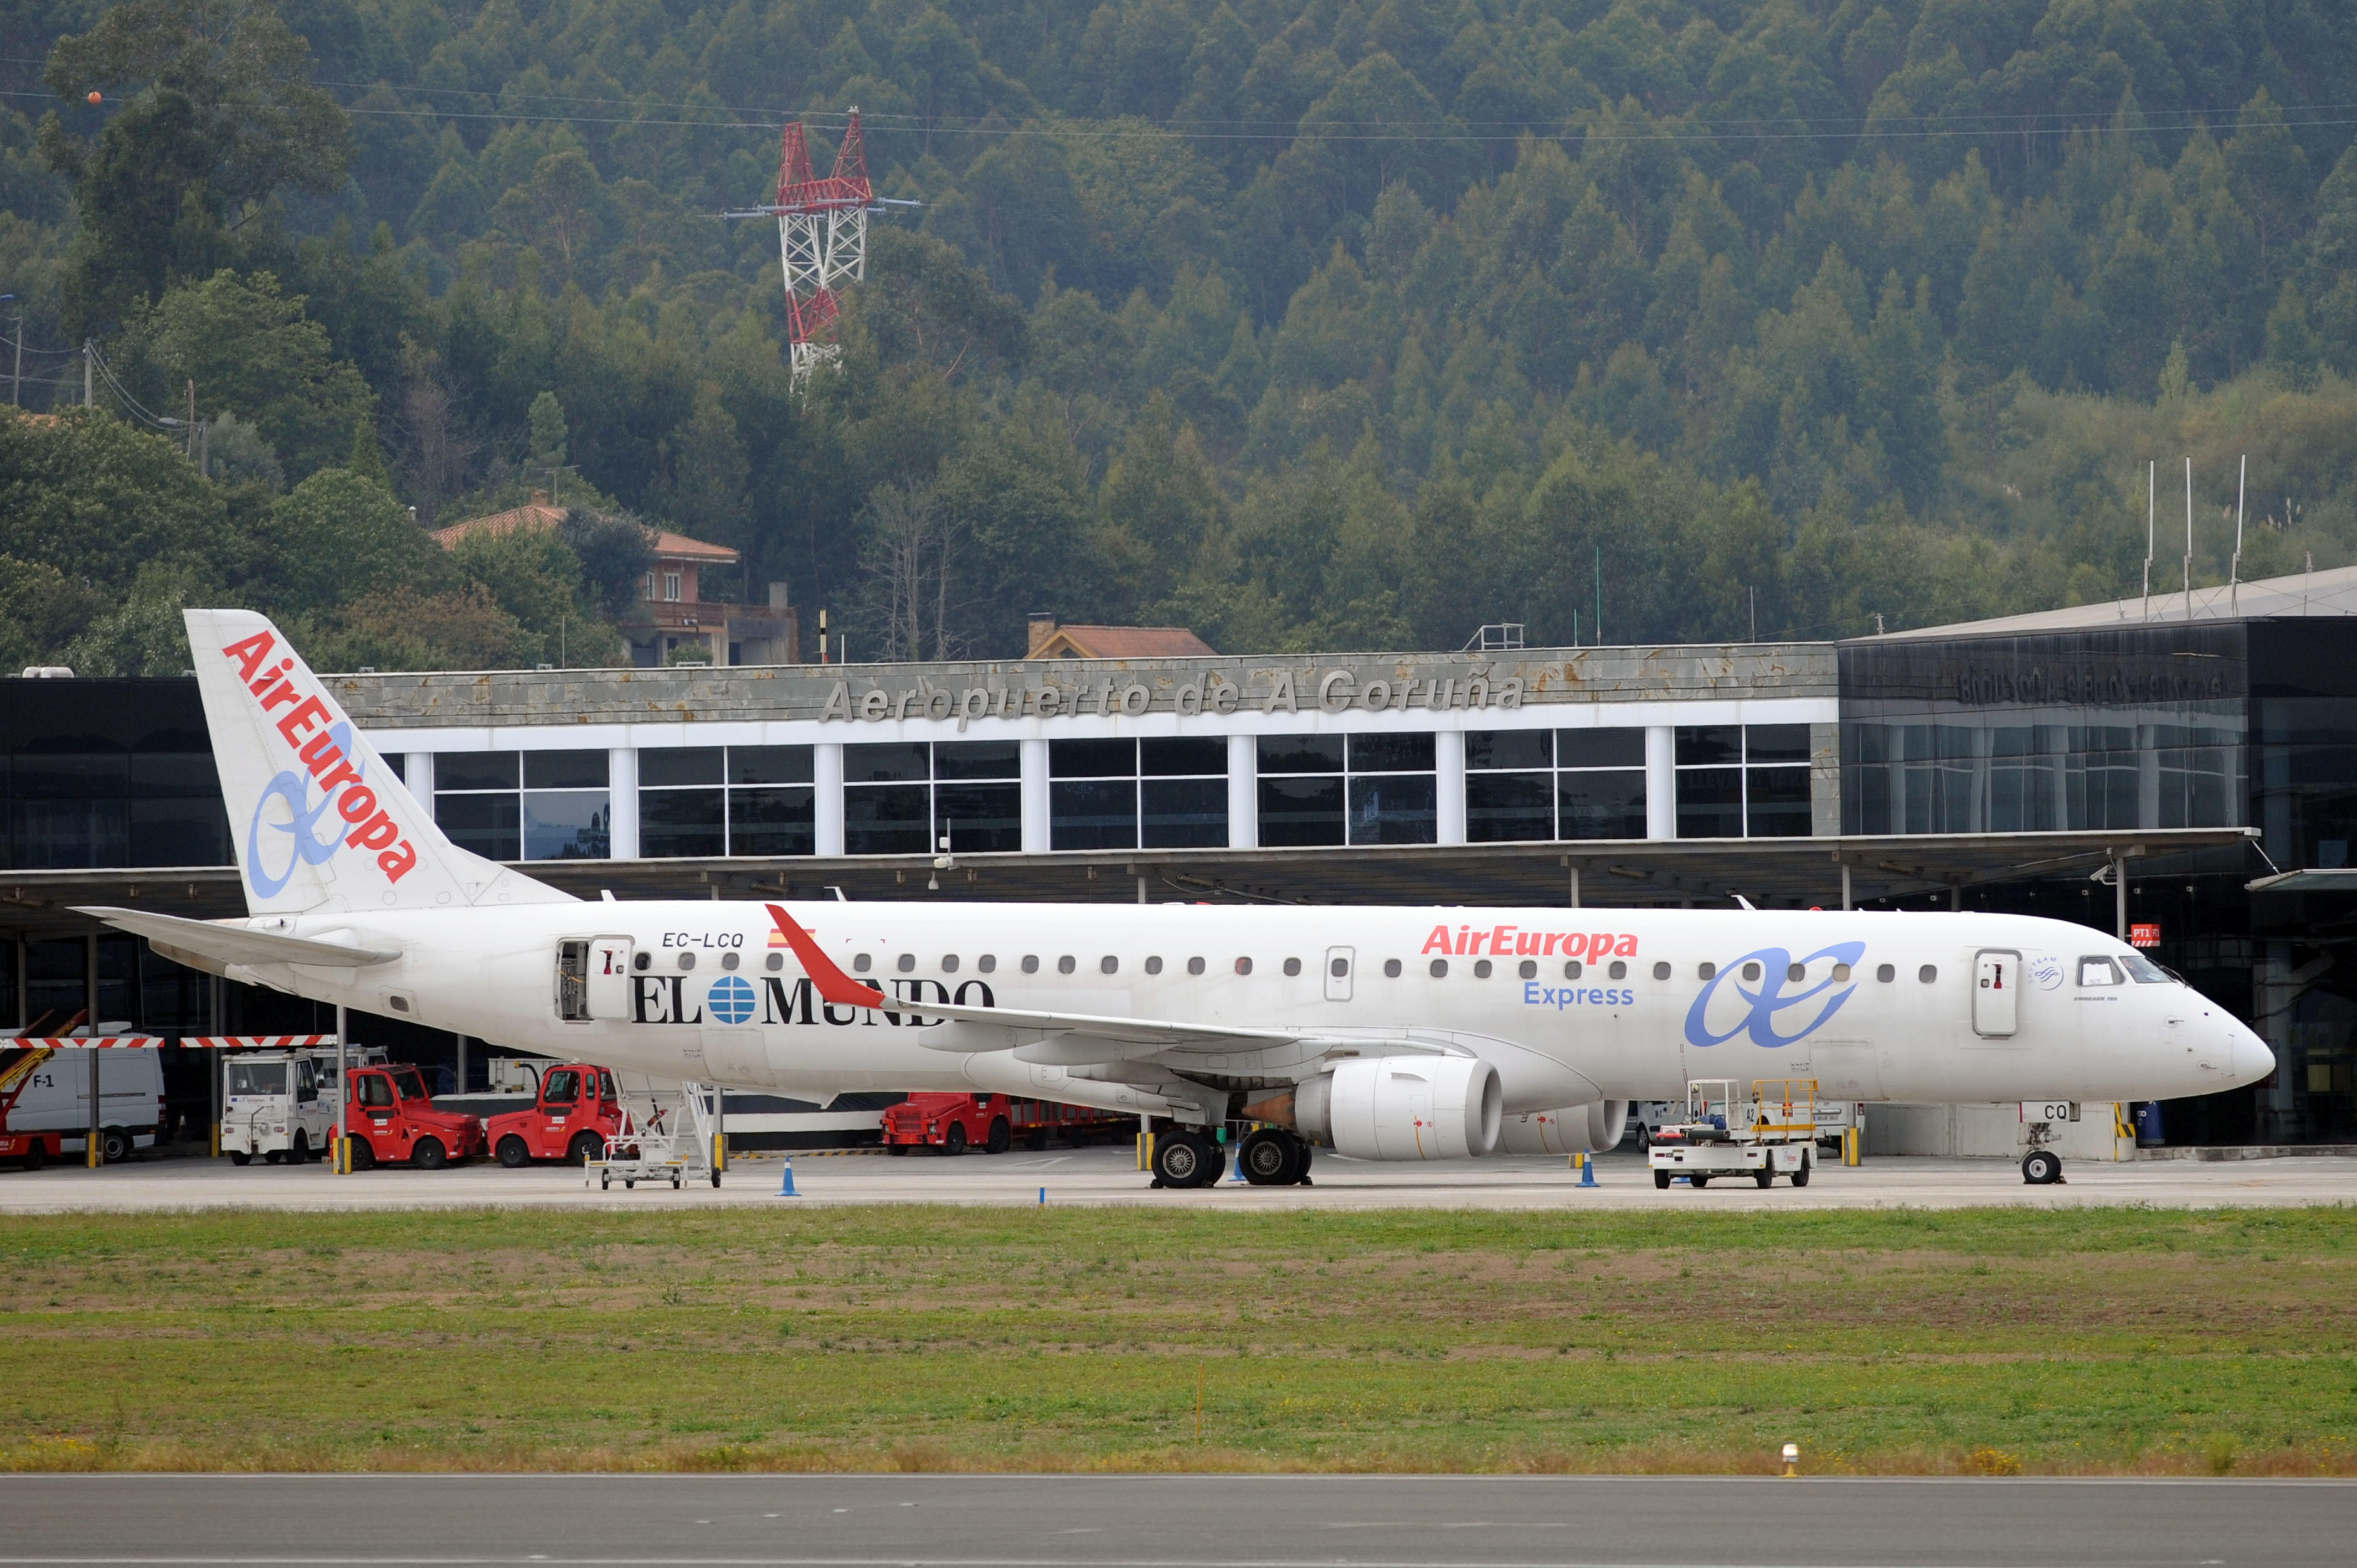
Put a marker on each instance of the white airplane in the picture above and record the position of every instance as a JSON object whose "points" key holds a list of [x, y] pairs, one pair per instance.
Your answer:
{"points": [[1388, 1034]]}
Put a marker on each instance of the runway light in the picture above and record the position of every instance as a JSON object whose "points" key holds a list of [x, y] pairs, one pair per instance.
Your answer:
{"points": [[1791, 1460]]}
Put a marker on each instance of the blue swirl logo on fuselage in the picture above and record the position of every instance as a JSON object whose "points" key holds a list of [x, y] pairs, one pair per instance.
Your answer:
{"points": [[1758, 1008], [293, 789], [730, 1000]]}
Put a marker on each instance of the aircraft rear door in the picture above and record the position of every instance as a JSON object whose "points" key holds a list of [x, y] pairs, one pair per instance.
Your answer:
{"points": [[1340, 961], [1997, 990], [609, 981]]}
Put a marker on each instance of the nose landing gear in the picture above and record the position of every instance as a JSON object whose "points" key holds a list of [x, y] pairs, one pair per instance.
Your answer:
{"points": [[2041, 1167]]}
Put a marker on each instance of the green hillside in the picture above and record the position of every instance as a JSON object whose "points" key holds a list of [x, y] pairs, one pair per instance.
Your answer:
{"points": [[1334, 323]]}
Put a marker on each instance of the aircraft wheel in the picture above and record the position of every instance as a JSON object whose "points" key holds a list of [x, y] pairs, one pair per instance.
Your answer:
{"points": [[953, 1140], [429, 1155], [239, 1156], [585, 1147], [1662, 1180], [2041, 1167], [1183, 1158], [1765, 1178], [1002, 1138], [1269, 1159]]}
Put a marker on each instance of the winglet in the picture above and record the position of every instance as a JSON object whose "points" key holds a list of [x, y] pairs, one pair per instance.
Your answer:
{"points": [[832, 985]]}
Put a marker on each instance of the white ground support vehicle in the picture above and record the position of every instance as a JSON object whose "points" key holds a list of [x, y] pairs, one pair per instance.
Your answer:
{"points": [[54, 1098], [275, 1104], [1727, 1134]]}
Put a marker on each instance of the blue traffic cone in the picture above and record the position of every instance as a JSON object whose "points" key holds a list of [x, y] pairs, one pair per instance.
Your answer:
{"points": [[1588, 1171], [788, 1189]]}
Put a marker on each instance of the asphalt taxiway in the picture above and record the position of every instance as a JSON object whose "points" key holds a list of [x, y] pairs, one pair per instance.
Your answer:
{"points": [[1196, 1521]]}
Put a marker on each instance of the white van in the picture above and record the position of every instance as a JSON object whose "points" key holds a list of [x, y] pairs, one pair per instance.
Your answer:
{"points": [[264, 1113], [53, 1102]]}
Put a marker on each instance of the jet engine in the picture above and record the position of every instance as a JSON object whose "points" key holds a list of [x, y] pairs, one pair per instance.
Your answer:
{"points": [[1573, 1130], [1398, 1107]]}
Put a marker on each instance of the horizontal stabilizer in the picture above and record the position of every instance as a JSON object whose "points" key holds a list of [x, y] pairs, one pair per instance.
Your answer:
{"points": [[224, 944]]}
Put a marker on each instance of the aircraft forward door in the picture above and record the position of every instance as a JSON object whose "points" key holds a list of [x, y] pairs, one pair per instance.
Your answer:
{"points": [[1996, 992], [593, 979], [1340, 961]]}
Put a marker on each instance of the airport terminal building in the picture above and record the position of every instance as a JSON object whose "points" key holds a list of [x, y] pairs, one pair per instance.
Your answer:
{"points": [[2184, 770]]}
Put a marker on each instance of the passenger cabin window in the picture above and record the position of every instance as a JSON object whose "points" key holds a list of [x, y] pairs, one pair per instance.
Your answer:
{"points": [[1293, 966], [1618, 971], [1886, 973], [561, 1087], [2098, 971], [1928, 973], [1391, 968]]}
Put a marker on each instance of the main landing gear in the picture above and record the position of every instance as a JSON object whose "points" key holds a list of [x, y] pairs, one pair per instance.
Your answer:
{"points": [[1269, 1157]]}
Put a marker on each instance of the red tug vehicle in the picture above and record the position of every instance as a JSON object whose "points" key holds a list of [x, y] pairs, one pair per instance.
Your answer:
{"points": [[388, 1116], [578, 1109], [955, 1122]]}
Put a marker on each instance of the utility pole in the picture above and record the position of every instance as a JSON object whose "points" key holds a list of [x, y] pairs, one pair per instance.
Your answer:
{"points": [[191, 442], [88, 359]]}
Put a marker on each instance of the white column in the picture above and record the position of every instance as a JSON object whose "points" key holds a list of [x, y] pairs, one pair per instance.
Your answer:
{"points": [[1031, 761], [623, 801], [1661, 781], [1448, 781], [418, 772], [1243, 791], [826, 805]]}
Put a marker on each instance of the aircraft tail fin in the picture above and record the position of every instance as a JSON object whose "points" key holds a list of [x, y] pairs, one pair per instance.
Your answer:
{"points": [[319, 820]]}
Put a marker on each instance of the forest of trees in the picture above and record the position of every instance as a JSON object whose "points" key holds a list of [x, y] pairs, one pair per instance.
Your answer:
{"points": [[1306, 323]]}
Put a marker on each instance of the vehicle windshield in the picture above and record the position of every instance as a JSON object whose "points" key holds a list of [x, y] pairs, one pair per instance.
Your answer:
{"points": [[408, 1084], [2143, 971], [248, 1079], [561, 1087]]}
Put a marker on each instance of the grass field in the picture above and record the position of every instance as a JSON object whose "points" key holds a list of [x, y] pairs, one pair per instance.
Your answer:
{"points": [[2118, 1340]]}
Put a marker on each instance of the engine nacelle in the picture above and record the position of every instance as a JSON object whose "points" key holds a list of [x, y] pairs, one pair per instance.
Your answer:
{"points": [[1573, 1130], [1403, 1108]]}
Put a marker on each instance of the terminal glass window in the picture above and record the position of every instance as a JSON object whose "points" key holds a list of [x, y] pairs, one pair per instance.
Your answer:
{"points": [[2078, 731], [711, 800], [108, 773], [1742, 781], [1360, 788], [1165, 793], [531, 805], [909, 797], [1549, 784]]}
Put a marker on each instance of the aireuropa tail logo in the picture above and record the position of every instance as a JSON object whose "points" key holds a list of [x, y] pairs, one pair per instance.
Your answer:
{"points": [[1752, 1000], [330, 761]]}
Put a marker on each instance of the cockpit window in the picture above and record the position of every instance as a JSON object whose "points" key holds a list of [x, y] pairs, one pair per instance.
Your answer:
{"points": [[2143, 971], [2098, 971]]}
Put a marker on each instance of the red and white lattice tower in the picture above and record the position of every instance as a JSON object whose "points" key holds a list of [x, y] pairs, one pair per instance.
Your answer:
{"points": [[821, 238]]}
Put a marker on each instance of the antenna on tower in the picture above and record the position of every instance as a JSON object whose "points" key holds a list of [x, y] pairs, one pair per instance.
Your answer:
{"points": [[821, 238], [2151, 472]]}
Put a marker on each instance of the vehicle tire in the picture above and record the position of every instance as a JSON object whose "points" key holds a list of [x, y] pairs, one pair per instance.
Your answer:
{"points": [[429, 1155], [272, 1156], [1268, 1158], [585, 1147], [629, 1184], [514, 1153], [1036, 1140], [1002, 1138], [1645, 1138], [953, 1140], [300, 1154], [239, 1156], [1185, 1158], [37, 1155], [1765, 1178], [604, 1182], [1699, 1179], [1662, 1180], [2041, 1167], [114, 1146], [898, 1151], [364, 1155], [1801, 1177]]}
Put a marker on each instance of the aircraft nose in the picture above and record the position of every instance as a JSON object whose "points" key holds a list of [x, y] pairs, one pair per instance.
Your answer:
{"points": [[2251, 1061]]}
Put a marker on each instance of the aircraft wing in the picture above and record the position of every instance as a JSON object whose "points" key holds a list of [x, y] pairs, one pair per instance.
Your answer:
{"points": [[1068, 1039], [236, 944]]}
